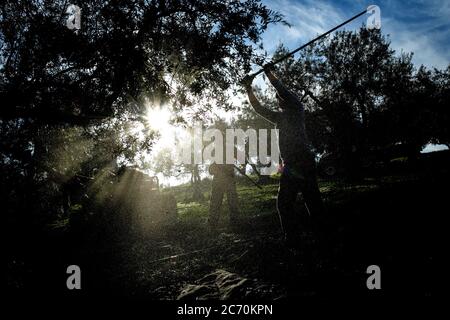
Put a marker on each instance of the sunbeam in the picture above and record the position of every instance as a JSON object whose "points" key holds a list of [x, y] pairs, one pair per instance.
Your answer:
{"points": [[158, 118]]}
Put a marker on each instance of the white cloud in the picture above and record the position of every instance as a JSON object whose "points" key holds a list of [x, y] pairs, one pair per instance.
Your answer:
{"points": [[310, 18], [419, 39], [307, 19]]}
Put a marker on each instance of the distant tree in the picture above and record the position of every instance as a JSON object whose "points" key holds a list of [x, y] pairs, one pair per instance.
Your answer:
{"points": [[163, 162], [440, 132], [350, 72], [361, 97]]}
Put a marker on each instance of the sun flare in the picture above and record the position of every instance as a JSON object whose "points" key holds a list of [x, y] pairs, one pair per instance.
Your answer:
{"points": [[158, 118]]}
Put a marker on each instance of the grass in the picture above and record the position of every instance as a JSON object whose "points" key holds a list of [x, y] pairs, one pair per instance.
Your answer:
{"points": [[252, 202], [382, 219]]}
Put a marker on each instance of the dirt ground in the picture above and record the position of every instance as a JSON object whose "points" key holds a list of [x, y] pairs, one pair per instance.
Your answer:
{"points": [[384, 220]]}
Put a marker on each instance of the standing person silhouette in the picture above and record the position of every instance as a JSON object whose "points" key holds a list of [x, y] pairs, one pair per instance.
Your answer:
{"points": [[299, 172], [223, 183]]}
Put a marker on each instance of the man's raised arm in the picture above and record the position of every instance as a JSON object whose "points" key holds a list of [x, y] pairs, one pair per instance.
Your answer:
{"points": [[282, 91], [262, 111]]}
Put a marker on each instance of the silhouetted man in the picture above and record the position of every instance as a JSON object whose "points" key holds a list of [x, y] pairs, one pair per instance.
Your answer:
{"points": [[223, 182], [299, 172]]}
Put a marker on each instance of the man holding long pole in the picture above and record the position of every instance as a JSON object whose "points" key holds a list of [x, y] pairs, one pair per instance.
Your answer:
{"points": [[298, 160], [299, 173]]}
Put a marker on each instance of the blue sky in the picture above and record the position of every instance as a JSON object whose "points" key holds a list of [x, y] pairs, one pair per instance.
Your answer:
{"points": [[419, 26]]}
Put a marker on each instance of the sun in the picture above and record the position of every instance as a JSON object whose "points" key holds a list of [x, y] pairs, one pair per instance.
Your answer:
{"points": [[158, 118]]}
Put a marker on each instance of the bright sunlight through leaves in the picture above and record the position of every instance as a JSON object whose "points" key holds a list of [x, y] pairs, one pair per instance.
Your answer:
{"points": [[158, 118]]}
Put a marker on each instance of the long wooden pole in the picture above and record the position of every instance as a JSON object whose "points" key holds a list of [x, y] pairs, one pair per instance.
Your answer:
{"points": [[312, 41]]}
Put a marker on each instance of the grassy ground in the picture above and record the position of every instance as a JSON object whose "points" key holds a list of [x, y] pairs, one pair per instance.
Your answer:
{"points": [[383, 219], [372, 221]]}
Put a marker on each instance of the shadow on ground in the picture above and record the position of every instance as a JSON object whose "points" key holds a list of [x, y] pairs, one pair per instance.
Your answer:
{"points": [[385, 219]]}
